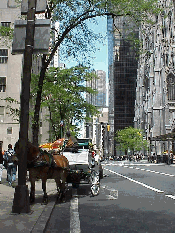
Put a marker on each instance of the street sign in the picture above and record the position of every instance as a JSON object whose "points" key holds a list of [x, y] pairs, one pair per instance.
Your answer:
{"points": [[40, 6], [41, 38]]}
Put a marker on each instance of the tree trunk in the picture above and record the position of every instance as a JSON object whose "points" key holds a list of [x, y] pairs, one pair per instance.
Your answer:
{"points": [[45, 64], [35, 126]]}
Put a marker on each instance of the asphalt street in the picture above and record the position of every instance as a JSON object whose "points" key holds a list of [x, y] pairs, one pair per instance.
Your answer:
{"points": [[133, 197]]}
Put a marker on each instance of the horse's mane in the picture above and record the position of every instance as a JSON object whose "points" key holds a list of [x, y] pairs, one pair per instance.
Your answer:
{"points": [[32, 148]]}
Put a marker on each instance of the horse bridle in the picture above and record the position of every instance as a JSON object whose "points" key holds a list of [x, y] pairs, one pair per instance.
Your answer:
{"points": [[34, 159]]}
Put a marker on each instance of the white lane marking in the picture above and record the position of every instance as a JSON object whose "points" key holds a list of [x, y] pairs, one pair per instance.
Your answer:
{"points": [[142, 169], [135, 181], [135, 164], [170, 196], [113, 192], [74, 214], [110, 197]]}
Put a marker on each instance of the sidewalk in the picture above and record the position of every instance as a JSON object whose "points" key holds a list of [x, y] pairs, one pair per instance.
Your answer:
{"points": [[36, 220]]}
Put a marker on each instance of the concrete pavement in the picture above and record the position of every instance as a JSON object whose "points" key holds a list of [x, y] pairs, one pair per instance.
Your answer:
{"points": [[33, 222], [37, 219]]}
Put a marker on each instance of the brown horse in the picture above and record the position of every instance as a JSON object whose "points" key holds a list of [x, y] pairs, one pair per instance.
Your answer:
{"points": [[42, 165]]}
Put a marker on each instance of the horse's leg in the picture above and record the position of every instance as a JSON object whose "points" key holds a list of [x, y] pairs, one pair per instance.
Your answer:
{"points": [[57, 181], [32, 191], [63, 183], [45, 196]]}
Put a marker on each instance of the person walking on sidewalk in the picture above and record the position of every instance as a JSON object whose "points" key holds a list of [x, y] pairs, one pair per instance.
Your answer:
{"points": [[11, 164], [1, 164]]}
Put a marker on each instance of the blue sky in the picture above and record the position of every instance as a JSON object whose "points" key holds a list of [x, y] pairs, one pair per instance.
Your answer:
{"points": [[101, 55]]}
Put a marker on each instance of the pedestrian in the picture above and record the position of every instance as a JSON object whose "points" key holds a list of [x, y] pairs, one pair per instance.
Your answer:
{"points": [[72, 143], [11, 165], [1, 164]]}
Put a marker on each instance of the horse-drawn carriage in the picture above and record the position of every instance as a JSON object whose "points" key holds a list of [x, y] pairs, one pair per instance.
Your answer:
{"points": [[63, 167], [82, 169]]}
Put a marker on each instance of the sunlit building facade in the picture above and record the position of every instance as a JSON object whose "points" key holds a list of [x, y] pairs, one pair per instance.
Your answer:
{"points": [[10, 77], [93, 128], [155, 99]]}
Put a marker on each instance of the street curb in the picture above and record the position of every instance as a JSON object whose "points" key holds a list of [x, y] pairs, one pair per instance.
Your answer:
{"points": [[43, 219]]}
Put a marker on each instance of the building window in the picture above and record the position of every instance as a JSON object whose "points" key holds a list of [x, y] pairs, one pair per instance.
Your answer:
{"points": [[2, 84], [5, 24], [1, 114], [171, 86], [9, 130], [3, 55]]}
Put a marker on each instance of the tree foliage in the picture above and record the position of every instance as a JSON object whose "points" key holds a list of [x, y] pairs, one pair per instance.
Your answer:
{"points": [[6, 35], [74, 33], [73, 17], [14, 110], [75, 37], [131, 138], [63, 95]]}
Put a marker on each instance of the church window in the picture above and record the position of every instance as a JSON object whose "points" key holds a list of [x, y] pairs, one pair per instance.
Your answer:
{"points": [[171, 87]]}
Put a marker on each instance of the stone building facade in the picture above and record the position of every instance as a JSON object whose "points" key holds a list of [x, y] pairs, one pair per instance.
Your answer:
{"points": [[93, 129], [10, 81], [155, 88], [10, 76]]}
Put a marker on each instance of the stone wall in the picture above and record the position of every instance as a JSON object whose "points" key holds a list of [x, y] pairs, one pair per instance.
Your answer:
{"points": [[154, 112]]}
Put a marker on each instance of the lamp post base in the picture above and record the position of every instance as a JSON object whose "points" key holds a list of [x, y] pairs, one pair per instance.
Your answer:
{"points": [[21, 200]]}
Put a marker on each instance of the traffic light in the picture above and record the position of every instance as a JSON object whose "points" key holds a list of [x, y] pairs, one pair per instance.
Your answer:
{"points": [[108, 128]]}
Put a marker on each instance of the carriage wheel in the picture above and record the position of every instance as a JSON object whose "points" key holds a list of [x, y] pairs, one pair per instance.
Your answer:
{"points": [[95, 183]]}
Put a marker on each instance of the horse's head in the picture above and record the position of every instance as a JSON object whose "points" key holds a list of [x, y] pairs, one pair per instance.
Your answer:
{"points": [[32, 151]]}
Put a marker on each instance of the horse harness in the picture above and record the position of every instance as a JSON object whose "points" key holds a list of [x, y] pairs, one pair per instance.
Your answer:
{"points": [[39, 161]]}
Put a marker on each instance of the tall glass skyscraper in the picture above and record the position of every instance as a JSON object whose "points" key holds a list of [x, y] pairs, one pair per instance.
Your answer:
{"points": [[122, 74]]}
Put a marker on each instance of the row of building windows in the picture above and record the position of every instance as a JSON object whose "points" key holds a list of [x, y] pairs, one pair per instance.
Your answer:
{"points": [[171, 87], [2, 84], [3, 56], [9, 129], [5, 24], [4, 52]]}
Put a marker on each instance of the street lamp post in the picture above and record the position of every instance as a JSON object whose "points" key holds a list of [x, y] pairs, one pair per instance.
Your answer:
{"points": [[21, 196], [41, 45]]}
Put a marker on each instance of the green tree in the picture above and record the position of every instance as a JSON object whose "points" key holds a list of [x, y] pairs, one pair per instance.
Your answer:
{"points": [[75, 35], [6, 35], [63, 94], [15, 110], [131, 138]]}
